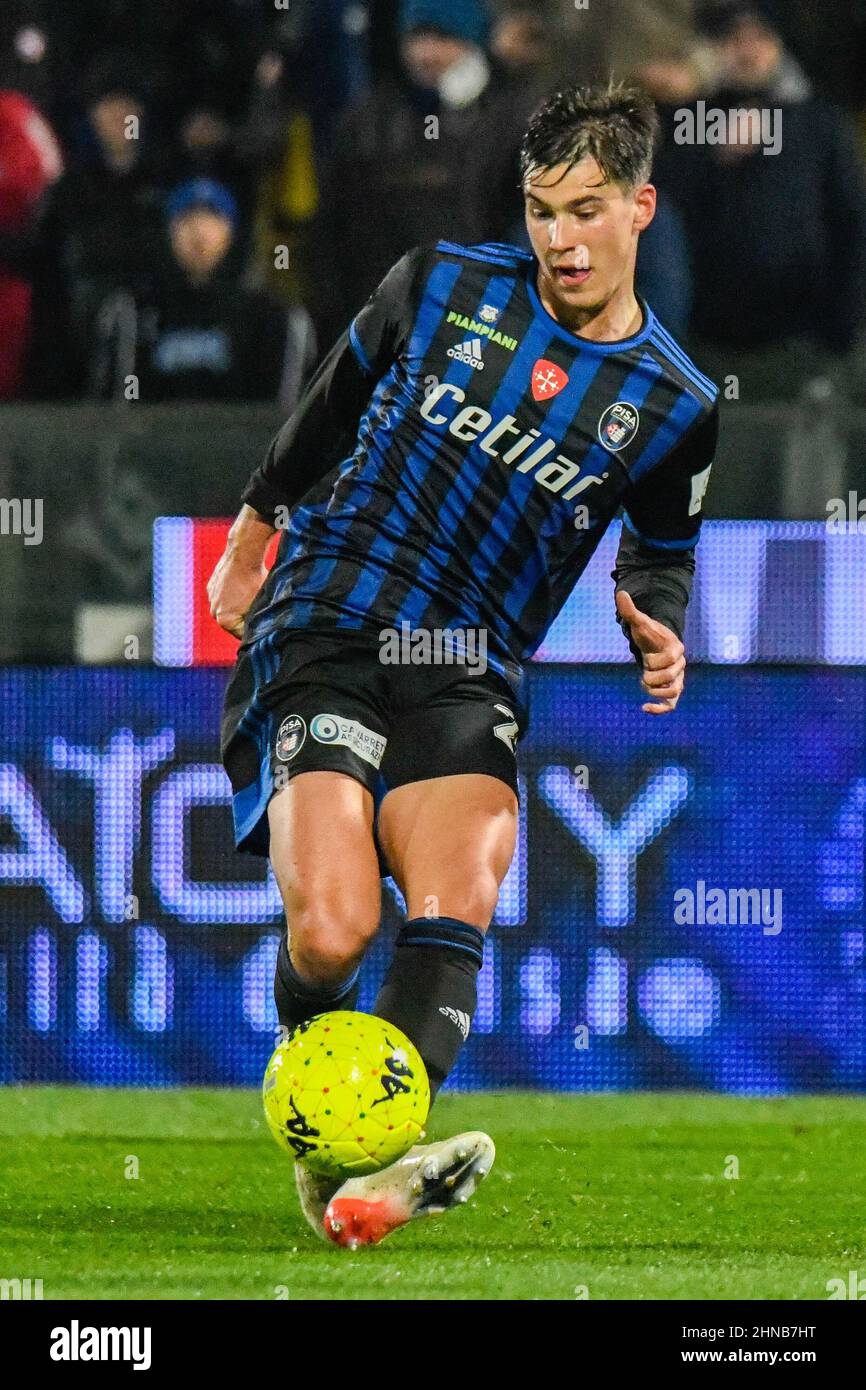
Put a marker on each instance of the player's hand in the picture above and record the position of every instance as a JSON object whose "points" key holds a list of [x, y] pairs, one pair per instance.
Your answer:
{"points": [[232, 588], [664, 660], [241, 571]]}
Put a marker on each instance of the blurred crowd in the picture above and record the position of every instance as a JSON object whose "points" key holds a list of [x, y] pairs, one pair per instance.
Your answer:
{"points": [[195, 197]]}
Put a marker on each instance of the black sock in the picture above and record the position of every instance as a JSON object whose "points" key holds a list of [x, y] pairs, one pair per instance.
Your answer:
{"points": [[430, 990], [296, 1000]]}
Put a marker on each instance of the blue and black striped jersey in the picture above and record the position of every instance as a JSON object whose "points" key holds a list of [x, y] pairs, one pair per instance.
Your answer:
{"points": [[474, 451]]}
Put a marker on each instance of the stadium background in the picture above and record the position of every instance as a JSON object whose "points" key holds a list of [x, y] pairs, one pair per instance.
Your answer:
{"points": [[135, 947]]}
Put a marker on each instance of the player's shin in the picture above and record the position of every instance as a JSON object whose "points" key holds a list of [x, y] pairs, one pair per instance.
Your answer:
{"points": [[297, 1000], [430, 990]]}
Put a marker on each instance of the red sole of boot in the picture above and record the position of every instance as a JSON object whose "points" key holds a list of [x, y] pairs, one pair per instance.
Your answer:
{"points": [[350, 1221]]}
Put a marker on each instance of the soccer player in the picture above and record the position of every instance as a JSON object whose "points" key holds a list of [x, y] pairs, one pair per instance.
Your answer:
{"points": [[451, 469]]}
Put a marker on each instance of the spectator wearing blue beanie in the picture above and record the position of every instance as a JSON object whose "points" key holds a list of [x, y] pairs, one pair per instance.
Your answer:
{"points": [[202, 193], [460, 19], [196, 331], [442, 47], [412, 157]]}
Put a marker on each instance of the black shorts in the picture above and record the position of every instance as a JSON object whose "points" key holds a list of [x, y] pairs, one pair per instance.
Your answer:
{"points": [[303, 701]]}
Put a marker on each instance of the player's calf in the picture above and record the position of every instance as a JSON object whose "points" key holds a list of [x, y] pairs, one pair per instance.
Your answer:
{"points": [[320, 955], [430, 991], [450, 841], [325, 863]]}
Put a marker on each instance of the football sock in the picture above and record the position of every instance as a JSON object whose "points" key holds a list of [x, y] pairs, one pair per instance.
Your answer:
{"points": [[297, 999], [430, 990]]}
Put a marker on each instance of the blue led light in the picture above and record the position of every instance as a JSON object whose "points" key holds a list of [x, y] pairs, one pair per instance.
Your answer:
{"points": [[138, 947]]}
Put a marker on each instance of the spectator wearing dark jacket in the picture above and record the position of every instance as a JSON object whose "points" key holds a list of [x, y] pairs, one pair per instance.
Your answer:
{"points": [[410, 162], [778, 239], [106, 218], [197, 333], [664, 273]]}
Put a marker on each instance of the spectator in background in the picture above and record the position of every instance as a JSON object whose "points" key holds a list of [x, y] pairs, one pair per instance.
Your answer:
{"points": [[778, 241], [522, 41], [198, 333], [30, 161], [829, 39], [751, 57], [599, 41], [314, 60], [205, 146], [184, 48], [664, 270], [321, 48], [106, 215], [578, 37], [277, 142], [30, 57], [428, 154]]}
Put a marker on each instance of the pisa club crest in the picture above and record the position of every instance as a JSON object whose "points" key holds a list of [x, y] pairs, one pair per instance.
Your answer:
{"points": [[290, 737], [547, 380], [618, 426]]}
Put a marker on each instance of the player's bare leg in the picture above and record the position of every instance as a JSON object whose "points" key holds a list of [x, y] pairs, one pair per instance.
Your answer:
{"points": [[449, 842], [325, 863], [324, 860]]}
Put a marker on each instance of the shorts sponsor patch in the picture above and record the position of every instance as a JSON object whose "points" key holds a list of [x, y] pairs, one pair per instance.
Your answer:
{"points": [[290, 738], [348, 733], [506, 730], [699, 487]]}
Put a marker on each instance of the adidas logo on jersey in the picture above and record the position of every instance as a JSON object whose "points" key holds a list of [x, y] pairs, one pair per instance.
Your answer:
{"points": [[468, 352], [456, 1016]]}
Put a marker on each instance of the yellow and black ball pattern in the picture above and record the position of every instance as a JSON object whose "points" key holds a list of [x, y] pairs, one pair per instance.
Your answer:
{"points": [[346, 1093]]}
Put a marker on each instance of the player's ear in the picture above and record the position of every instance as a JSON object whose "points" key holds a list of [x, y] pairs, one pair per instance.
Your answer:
{"points": [[644, 206]]}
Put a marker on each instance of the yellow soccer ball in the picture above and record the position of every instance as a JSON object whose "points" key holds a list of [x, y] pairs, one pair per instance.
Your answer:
{"points": [[346, 1093]]}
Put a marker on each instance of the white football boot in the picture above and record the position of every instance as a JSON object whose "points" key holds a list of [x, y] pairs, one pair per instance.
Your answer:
{"points": [[429, 1179]]}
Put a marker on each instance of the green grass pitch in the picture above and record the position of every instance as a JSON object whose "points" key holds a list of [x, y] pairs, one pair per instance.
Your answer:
{"points": [[601, 1196]]}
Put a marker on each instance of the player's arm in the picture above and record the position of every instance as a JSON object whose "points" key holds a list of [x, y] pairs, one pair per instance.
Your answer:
{"points": [[317, 434], [655, 562]]}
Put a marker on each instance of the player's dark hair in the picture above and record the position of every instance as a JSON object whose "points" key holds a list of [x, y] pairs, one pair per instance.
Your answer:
{"points": [[616, 125]]}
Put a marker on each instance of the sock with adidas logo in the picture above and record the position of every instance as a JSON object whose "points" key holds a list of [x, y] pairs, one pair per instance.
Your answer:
{"points": [[430, 990]]}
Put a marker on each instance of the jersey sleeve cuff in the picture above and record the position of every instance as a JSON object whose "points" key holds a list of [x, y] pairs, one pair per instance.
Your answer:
{"points": [[263, 501], [656, 544]]}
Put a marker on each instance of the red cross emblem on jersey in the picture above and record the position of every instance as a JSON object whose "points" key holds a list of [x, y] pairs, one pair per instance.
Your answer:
{"points": [[547, 380]]}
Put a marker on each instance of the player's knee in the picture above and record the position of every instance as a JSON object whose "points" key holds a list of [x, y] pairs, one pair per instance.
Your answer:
{"points": [[472, 900], [479, 907], [326, 947]]}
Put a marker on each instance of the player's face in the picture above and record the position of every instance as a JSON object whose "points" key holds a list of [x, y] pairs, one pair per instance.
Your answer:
{"points": [[584, 233]]}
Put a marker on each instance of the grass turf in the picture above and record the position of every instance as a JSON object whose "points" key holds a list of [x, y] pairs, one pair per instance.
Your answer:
{"points": [[623, 1196]]}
